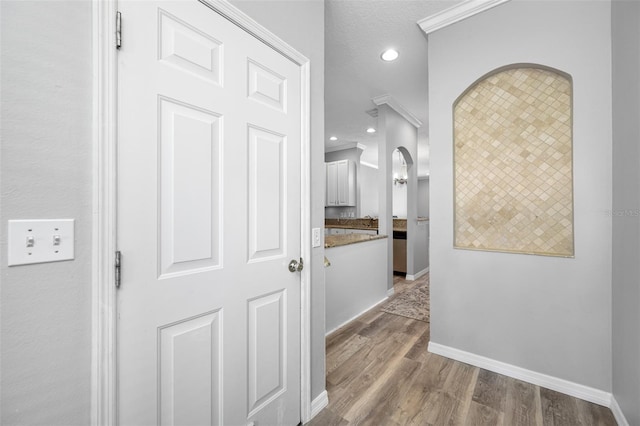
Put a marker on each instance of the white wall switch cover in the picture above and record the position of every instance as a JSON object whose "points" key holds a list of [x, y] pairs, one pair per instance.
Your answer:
{"points": [[40, 241], [316, 237]]}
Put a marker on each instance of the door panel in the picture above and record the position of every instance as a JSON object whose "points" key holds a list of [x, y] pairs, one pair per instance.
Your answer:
{"points": [[266, 86], [190, 372], [208, 219], [267, 194], [189, 184], [188, 48], [267, 349]]}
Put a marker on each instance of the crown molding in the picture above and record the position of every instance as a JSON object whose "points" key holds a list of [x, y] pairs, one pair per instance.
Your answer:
{"points": [[349, 145], [456, 13], [397, 107]]}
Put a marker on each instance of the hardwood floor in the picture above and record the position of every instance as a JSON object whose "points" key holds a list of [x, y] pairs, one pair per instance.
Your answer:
{"points": [[380, 373]]}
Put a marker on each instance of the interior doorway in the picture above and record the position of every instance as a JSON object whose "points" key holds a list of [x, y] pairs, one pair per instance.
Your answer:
{"points": [[399, 169]]}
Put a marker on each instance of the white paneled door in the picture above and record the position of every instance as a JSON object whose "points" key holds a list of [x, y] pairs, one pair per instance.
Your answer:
{"points": [[209, 135]]}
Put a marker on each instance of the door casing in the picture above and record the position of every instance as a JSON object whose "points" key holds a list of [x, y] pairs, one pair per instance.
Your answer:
{"points": [[103, 357]]}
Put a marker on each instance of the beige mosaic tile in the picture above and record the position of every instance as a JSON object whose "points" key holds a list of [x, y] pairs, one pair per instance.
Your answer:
{"points": [[513, 164]]}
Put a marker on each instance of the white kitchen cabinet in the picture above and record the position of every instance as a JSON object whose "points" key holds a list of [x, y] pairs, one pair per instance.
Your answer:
{"points": [[346, 183], [331, 193], [341, 183]]}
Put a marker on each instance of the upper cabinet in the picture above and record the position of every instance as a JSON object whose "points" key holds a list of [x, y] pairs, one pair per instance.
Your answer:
{"points": [[341, 183]]}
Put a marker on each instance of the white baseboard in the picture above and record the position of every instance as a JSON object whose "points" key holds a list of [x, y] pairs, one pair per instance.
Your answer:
{"points": [[319, 403], [391, 292], [418, 275], [384, 299], [617, 413], [577, 390]]}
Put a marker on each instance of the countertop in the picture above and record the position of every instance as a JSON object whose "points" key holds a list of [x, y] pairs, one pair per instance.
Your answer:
{"points": [[346, 239], [361, 223], [351, 223]]}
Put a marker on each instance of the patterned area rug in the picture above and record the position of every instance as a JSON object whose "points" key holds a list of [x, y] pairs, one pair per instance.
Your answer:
{"points": [[412, 303]]}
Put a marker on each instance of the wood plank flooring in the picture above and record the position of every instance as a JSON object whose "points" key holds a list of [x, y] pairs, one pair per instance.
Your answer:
{"points": [[380, 373]]}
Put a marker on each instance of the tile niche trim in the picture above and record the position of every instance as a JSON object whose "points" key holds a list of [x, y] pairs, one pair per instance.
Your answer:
{"points": [[513, 162]]}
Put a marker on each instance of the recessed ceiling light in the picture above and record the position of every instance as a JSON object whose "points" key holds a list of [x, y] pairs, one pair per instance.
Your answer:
{"points": [[371, 130], [333, 138], [389, 55]]}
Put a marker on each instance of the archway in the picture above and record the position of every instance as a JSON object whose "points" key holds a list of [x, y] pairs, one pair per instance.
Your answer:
{"points": [[401, 161]]}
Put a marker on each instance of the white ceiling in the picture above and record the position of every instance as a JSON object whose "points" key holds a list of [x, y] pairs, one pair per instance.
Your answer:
{"points": [[356, 33]]}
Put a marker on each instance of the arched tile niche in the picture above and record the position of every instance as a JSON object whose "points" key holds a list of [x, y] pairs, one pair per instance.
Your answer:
{"points": [[513, 162]]}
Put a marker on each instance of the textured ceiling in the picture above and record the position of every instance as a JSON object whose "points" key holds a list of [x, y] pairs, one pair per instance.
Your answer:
{"points": [[356, 33]]}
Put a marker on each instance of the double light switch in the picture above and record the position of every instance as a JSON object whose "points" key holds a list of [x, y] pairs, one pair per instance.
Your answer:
{"points": [[39, 241]]}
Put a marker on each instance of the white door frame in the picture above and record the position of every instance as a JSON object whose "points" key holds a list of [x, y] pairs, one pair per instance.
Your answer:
{"points": [[105, 66]]}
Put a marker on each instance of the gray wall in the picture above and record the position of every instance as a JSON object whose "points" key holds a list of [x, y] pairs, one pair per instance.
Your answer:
{"points": [[423, 197], [626, 205], [422, 242], [301, 24], [421, 247], [355, 280], [46, 92], [546, 314]]}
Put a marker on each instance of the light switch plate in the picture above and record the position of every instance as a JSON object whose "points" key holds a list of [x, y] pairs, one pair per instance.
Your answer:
{"points": [[316, 237], [40, 241]]}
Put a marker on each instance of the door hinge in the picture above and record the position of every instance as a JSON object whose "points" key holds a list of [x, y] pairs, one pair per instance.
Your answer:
{"points": [[118, 30], [117, 264]]}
